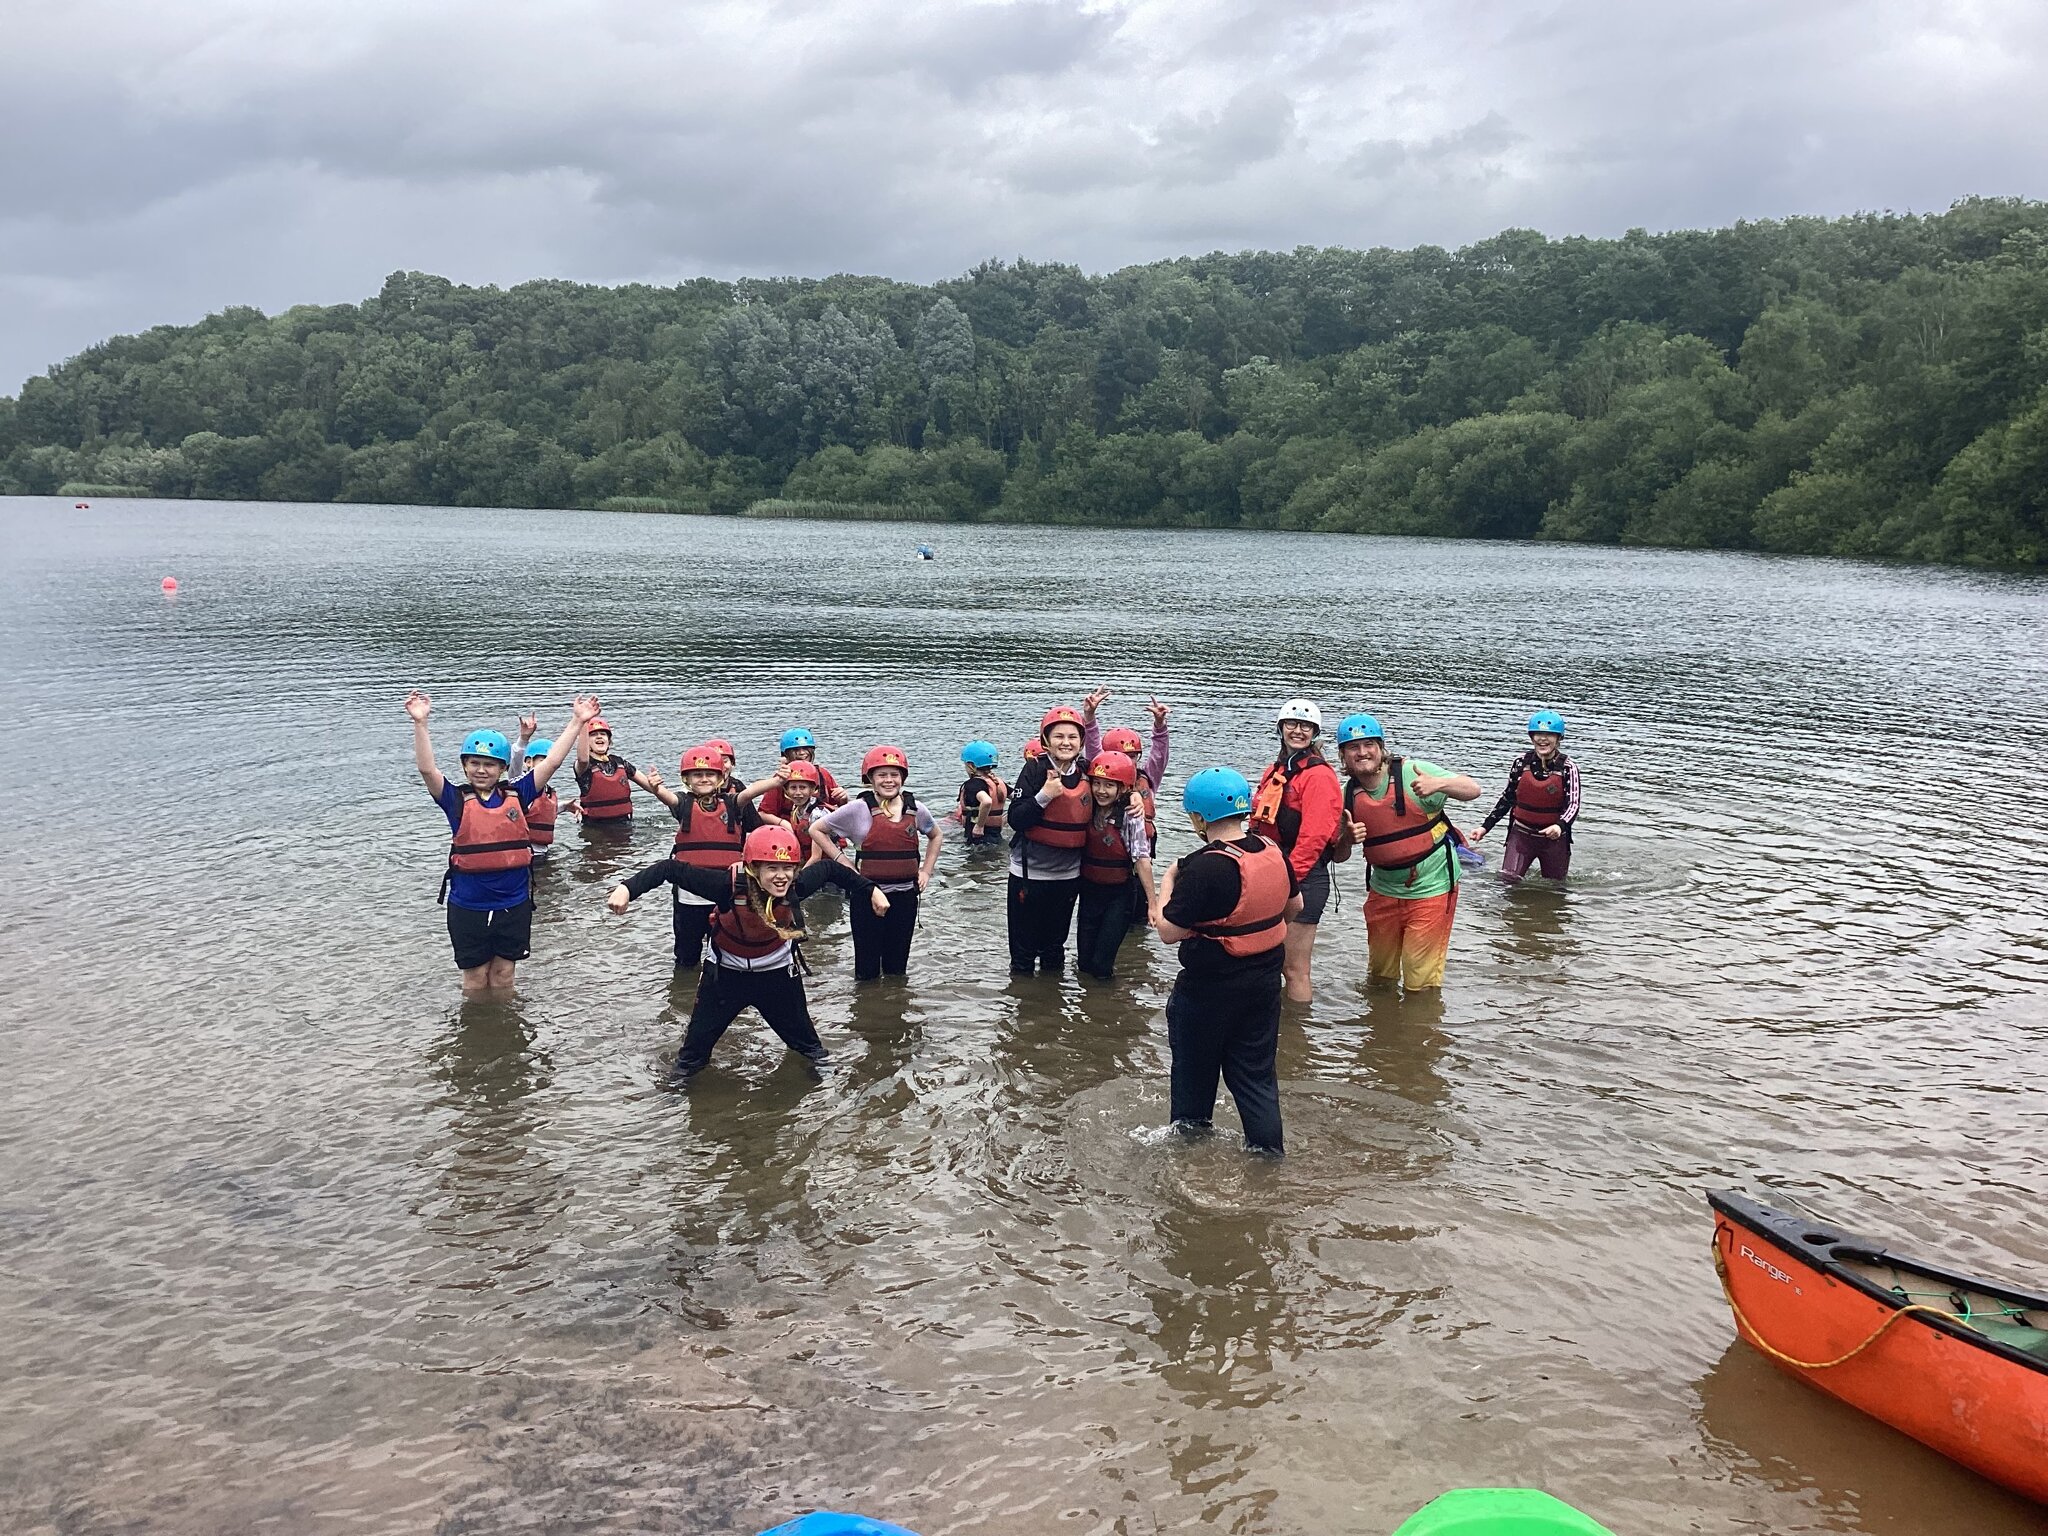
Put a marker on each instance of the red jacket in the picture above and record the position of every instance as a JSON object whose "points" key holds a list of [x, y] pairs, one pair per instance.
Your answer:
{"points": [[1311, 815]]}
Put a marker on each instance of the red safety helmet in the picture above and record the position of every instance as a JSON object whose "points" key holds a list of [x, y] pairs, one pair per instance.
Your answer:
{"points": [[884, 756], [1034, 749], [703, 759], [1061, 714], [802, 771], [1116, 768], [724, 746], [771, 845], [596, 725], [1123, 739]]}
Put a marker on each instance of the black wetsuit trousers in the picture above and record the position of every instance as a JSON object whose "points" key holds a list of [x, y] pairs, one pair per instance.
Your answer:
{"points": [[723, 994], [1105, 915], [1041, 912], [1227, 1026], [693, 924], [881, 945]]}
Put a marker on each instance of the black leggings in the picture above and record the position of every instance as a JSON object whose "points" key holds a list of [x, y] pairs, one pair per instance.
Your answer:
{"points": [[1041, 912], [724, 993], [692, 924], [881, 945], [1106, 915]]}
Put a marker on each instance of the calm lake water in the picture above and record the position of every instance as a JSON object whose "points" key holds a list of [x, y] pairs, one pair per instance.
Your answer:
{"points": [[293, 1240]]}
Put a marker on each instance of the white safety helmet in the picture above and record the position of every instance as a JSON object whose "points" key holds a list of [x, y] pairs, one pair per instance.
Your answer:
{"points": [[1304, 710]]}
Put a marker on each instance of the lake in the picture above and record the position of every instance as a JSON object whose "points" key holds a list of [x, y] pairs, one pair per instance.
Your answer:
{"points": [[295, 1240]]}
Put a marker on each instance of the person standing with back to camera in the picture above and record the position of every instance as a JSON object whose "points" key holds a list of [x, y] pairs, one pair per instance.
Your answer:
{"points": [[1226, 906]]}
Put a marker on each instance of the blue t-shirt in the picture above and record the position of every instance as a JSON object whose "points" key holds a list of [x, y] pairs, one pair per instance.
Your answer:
{"points": [[502, 888]]}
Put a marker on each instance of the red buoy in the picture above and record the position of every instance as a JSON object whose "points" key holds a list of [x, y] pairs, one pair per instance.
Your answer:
{"points": [[83, 506], [170, 584]]}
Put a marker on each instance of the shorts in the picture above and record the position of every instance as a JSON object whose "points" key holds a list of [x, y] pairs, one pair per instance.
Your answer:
{"points": [[481, 937], [1315, 895]]}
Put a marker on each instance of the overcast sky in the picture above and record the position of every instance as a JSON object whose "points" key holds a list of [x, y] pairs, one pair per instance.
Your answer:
{"points": [[166, 159]]}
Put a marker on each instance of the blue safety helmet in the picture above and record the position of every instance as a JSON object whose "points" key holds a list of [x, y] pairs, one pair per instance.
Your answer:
{"points": [[825, 1523], [1359, 728], [536, 750], [1217, 794], [796, 736], [1549, 721], [979, 754], [488, 744]]}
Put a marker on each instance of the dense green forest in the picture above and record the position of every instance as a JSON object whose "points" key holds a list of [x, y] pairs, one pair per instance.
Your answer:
{"points": [[1875, 385]]}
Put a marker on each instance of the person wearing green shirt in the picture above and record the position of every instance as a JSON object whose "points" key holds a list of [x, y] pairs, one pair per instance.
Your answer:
{"points": [[1394, 818]]}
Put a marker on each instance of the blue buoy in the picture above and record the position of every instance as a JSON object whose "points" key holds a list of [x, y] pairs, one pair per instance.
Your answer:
{"points": [[825, 1523]]}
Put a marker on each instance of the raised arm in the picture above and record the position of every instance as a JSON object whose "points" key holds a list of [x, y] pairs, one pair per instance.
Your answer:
{"points": [[1154, 766], [419, 706], [583, 709]]}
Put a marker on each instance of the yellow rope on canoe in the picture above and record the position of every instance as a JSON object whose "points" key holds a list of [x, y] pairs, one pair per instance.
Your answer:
{"points": [[1756, 1336]]}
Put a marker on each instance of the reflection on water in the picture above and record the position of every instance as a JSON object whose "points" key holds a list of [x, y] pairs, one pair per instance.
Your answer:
{"points": [[294, 1237], [1847, 1471]]}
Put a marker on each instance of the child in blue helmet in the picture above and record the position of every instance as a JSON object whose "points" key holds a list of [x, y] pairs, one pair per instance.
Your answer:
{"points": [[543, 815], [984, 799], [488, 887], [1227, 906], [1541, 803]]}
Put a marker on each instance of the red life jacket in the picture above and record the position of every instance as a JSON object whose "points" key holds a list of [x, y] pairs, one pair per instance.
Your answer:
{"points": [[1106, 857], [889, 853], [737, 930], [610, 795], [1274, 813], [1398, 834], [1540, 794], [1066, 820], [540, 819], [490, 838], [707, 839], [800, 824], [1150, 803], [1258, 923], [999, 800]]}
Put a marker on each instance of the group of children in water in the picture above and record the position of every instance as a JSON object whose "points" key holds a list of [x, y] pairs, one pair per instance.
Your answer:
{"points": [[1081, 820]]}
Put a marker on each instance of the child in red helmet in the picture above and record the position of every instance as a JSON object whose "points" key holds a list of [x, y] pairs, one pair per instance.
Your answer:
{"points": [[884, 821], [1116, 867], [798, 789], [604, 784], [711, 821], [756, 933], [1050, 809]]}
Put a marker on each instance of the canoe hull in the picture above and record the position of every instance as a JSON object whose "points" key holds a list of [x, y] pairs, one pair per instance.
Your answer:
{"points": [[1981, 1405]]}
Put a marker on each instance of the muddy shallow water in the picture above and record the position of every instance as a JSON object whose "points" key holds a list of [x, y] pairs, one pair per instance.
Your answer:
{"points": [[293, 1240]]}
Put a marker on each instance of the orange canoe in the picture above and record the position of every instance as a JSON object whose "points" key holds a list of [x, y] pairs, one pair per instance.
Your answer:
{"points": [[1957, 1362]]}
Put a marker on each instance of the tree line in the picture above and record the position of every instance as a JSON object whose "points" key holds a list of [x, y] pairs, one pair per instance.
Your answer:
{"points": [[1869, 386]]}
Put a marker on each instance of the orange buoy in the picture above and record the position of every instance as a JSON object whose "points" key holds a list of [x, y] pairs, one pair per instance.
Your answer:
{"points": [[170, 584]]}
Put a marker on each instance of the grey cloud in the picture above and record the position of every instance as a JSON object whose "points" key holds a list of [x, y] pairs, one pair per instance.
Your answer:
{"points": [[1253, 126], [966, 48]]}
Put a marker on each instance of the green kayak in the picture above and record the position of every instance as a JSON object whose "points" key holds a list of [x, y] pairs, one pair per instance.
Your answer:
{"points": [[1499, 1512]]}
